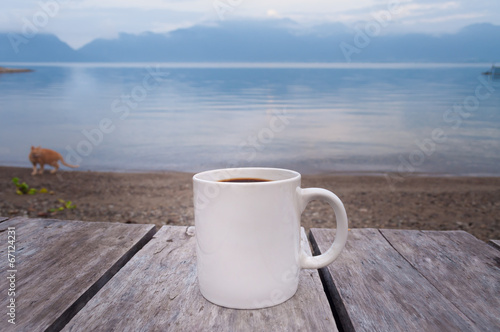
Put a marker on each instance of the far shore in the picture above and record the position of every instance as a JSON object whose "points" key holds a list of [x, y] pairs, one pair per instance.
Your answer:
{"points": [[165, 198], [4, 70]]}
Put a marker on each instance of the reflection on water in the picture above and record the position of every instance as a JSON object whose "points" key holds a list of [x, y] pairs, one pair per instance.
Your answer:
{"points": [[365, 118]]}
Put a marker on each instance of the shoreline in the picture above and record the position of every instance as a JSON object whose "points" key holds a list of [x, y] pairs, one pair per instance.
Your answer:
{"points": [[302, 172], [165, 198]]}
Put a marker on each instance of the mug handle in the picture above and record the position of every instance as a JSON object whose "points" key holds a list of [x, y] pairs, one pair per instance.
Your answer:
{"points": [[305, 196]]}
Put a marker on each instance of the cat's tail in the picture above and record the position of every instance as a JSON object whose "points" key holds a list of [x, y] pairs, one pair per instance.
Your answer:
{"points": [[68, 165]]}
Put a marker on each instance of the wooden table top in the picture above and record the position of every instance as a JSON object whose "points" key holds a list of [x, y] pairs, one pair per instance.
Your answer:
{"points": [[100, 276]]}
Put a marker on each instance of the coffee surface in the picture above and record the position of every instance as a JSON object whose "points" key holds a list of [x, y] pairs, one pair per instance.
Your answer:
{"points": [[244, 180]]}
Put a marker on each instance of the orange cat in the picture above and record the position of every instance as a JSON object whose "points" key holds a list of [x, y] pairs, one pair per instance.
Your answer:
{"points": [[46, 157]]}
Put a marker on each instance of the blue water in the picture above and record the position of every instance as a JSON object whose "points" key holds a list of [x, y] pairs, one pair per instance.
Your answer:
{"points": [[312, 118]]}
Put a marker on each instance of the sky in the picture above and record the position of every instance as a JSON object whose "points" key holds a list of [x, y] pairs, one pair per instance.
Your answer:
{"points": [[78, 22]]}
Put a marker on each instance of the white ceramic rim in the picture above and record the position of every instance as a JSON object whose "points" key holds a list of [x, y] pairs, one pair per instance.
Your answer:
{"points": [[205, 178]]}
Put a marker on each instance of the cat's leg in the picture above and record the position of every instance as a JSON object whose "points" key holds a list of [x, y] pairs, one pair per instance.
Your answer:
{"points": [[34, 169], [41, 168], [56, 167]]}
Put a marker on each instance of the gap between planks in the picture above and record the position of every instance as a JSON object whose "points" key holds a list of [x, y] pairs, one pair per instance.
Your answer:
{"points": [[59, 324], [461, 267], [47, 249], [371, 287], [494, 243], [416, 268]]}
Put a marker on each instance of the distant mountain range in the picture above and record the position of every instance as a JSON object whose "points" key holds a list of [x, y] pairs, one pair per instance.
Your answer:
{"points": [[262, 41]]}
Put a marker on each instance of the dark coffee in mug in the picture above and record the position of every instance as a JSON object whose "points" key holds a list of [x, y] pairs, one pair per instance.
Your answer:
{"points": [[244, 180]]}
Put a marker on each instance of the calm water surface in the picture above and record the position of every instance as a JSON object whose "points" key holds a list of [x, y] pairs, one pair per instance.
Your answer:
{"points": [[351, 118]]}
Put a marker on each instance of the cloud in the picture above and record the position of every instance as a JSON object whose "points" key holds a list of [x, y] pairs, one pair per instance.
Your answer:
{"points": [[185, 5], [418, 9], [272, 13], [161, 26], [425, 16], [440, 19]]}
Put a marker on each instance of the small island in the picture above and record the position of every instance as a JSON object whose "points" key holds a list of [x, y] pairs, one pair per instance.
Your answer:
{"points": [[4, 70]]}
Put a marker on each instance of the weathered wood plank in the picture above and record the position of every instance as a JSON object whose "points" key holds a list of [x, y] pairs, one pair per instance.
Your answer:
{"points": [[461, 267], [3, 219], [158, 291], [61, 264], [373, 288], [494, 243]]}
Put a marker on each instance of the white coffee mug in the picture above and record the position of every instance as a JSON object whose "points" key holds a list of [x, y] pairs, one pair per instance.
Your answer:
{"points": [[248, 235]]}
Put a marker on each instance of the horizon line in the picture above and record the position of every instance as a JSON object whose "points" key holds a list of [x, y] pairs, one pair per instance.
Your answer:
{"points": [[257, 65]]}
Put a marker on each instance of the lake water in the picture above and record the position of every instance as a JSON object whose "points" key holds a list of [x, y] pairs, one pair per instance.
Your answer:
{"points": [[310, 117]]}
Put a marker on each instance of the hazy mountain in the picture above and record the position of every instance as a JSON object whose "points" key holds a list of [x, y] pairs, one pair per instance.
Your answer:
{"points": [[474, 43], [15, 47], [270, 41], [228, 41]]}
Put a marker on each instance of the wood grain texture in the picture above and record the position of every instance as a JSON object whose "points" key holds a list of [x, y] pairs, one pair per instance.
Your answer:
{"points": [[373, 288], [158, 291], [461, 267], [3, 219], [494, 243], [61, 264]]}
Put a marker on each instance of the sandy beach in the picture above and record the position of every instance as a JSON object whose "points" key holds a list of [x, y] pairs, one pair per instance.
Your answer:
{"points": [[165, 198]]}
